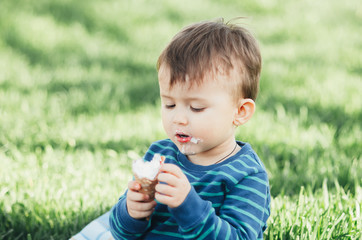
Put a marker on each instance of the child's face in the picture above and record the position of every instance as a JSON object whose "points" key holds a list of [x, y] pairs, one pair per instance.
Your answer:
{"points": [[199, 120]]}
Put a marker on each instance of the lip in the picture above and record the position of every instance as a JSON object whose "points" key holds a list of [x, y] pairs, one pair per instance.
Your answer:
{"points": [[183, 137]]}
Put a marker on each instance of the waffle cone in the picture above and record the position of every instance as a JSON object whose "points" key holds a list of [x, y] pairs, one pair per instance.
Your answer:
{"points": [[147, 186]]}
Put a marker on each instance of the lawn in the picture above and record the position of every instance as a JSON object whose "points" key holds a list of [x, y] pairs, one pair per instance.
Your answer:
{"points": [[79, 101]]}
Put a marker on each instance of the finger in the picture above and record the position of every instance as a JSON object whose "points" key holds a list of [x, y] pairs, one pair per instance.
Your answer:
{"points": [[140, 214], [165, 199], [173, 169], [142, 206], [137, 196], [139, 210], [168, 178], [166, 189], [134, 185]]}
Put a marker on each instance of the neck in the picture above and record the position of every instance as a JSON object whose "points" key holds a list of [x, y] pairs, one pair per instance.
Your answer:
{"points": [[215, 155]]}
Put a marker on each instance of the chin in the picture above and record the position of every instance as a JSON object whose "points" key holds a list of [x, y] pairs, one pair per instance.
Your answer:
{"points": [[186, 149], [188, 153]]}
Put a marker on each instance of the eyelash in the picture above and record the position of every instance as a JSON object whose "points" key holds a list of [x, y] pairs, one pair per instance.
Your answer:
{"points": [[170, 106], [192, 108], [197, 109]]}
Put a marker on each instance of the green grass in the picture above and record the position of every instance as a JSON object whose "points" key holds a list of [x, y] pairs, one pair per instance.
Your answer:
{"points": [[79, 101]]}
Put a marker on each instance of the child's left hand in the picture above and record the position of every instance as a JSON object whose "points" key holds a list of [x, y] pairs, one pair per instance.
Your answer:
{"points": [[177, 186]]}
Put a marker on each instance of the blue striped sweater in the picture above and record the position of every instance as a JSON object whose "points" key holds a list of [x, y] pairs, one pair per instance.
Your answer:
{"points": [[229, 200]]}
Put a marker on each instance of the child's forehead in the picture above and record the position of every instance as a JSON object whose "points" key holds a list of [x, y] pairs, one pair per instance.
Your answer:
{"points": [[220, 77], [189, 85]]}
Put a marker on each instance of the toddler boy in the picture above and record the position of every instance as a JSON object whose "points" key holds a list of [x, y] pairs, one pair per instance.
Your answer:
{"points": [[210, 186]]}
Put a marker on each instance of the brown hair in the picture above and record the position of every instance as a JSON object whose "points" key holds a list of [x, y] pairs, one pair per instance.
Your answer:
{"points": [[214, 47]]}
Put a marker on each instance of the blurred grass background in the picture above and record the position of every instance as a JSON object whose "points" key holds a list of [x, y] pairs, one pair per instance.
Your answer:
{"points": [[79, 101]]}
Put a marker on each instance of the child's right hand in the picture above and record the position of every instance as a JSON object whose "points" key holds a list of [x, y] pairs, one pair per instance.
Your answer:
{"points": [[139, 205]]}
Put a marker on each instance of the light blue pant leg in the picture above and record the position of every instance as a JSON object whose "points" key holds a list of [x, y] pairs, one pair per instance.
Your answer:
{"points": [[98, 229]]}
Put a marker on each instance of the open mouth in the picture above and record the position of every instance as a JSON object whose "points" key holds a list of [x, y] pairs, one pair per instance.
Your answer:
{"points": [[182, 137]]}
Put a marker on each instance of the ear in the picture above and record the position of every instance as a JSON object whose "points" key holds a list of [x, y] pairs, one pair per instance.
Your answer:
{"points": [[246, 109]]}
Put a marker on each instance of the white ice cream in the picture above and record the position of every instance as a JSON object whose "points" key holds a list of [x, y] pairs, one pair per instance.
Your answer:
{"points": [[147, 169], [194, 140]]}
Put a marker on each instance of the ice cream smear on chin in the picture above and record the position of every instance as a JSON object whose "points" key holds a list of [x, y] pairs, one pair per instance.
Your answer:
{"points": [[147, 169], [185, 138], [194, 140]]}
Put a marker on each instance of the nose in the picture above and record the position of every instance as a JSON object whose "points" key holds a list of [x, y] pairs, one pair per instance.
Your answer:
{"points": [[180, 117]]}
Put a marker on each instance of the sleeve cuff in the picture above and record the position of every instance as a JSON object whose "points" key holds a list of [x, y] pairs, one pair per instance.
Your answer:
{"points": [[191, 211], [132, 225]]}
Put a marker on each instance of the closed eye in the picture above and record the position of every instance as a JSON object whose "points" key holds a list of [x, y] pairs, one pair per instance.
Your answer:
{"points": [[197, 109], [170, 106]]}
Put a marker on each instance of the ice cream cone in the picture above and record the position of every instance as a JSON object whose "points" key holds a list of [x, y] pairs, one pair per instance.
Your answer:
{"points": [[148, 182], [147, 186]]}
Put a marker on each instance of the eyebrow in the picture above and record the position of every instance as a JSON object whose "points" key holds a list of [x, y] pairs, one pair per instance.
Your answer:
{"points": [[189, 99], [163, 95]]}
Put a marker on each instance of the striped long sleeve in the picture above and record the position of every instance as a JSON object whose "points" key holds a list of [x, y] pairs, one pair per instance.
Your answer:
{"points": [[229, 200]]}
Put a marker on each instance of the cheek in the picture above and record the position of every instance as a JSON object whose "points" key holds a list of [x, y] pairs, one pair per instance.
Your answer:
{"points": [[203, 126], [214, 125], [165, 120]]}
